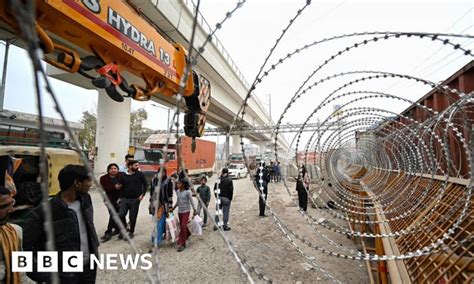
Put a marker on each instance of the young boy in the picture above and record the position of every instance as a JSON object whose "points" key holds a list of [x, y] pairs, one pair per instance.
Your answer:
{"points": [[205, 193]]}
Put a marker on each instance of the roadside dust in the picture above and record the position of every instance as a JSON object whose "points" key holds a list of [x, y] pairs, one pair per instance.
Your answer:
{"points": [[206, 259]]}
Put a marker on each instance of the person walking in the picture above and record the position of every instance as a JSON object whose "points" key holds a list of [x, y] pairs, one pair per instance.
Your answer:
{"points": [[73, 224], [205, 194], [302, 187], [134, 187], [262, 178], [224, 190], [111, 184], [162, 192], [10, 238], [184, 204], [277, 169], [271, 169], [165, 194]]}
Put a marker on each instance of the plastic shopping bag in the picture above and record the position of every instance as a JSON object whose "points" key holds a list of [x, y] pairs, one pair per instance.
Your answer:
{"points": [[171, 228], [196, 225]]}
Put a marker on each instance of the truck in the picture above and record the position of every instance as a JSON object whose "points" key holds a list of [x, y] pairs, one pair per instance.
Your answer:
{"points": [[199, 163]]}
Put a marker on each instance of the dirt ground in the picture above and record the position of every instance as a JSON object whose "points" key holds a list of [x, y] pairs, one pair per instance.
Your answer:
{"points": [[208, 260]]}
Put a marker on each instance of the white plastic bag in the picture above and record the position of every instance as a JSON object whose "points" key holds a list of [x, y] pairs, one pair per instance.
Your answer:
{"points": [[171, 228], [196, 225]]}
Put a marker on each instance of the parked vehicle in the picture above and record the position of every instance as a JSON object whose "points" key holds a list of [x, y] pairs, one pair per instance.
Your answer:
{"points": [[28, 170], [199, 163], [236, 158], [237, 171], [26, 173]]}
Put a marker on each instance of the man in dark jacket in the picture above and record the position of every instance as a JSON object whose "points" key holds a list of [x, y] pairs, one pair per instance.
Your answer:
{"points": [[73, 226], [111, 184], [134, 187], [262, 178], [224, 190]]}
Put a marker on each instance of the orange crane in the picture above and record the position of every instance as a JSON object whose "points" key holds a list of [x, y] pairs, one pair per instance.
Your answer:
{"points": [[112, 38]]}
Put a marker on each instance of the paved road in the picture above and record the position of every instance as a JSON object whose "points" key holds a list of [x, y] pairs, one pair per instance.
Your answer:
{"points": [[258, 240]]}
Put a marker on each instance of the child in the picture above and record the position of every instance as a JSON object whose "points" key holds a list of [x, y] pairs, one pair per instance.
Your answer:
{"points": [[184, 200], [205, 194]]}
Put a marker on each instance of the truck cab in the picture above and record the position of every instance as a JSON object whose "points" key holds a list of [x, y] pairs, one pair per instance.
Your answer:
{"points": [[198, 163], [151, 158]]}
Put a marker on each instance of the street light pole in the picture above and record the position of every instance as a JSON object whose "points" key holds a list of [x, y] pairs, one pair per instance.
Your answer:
{"points": [[270, 106], [168, 121], [4, 75]]}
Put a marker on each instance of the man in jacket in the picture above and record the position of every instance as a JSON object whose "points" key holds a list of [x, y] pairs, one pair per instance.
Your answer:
{"points": [[111, 184], [134, 187], [73, 224], [224, 190], [262, 178]]}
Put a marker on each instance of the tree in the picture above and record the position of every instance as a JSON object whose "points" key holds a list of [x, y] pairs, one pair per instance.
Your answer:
{"points": [[86, 135], [138, 133], [136, 120]]}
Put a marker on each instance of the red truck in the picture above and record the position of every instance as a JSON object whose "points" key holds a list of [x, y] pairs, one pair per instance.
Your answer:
{"points": [[198, 163]]}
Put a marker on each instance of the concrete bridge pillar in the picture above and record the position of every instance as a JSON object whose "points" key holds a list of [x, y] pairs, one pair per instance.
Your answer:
{"points": [[236, 144], [113, 131], [262, 146], [226, 148]]}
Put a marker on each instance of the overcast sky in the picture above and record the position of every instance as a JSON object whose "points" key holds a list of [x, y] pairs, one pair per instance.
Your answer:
{"points": [[253, 29], [259, 23]]}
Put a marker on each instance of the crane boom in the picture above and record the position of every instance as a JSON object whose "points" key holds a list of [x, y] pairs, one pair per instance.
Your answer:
{"points": [[113, 37]]}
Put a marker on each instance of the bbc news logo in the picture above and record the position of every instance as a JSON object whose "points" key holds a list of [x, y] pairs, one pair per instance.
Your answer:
{"points": [[73, 261]]}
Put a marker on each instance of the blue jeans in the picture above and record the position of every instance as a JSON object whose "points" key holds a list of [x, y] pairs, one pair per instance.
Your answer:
{"points": [[199, 207], [225, 206]]}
